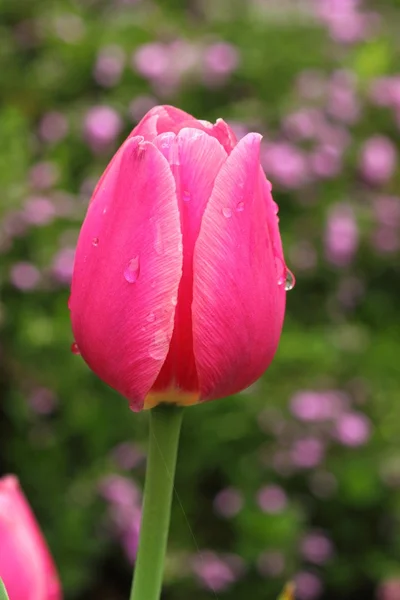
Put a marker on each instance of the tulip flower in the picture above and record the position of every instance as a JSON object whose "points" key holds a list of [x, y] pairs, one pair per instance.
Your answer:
{"points": [[26, 566], [179, 283]]}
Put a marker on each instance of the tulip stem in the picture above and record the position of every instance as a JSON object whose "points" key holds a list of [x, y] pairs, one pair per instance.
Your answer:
{"points": [[165, 425]]}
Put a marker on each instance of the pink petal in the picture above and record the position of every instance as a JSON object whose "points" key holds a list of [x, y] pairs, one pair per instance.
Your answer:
{"points": [[161, 119], [238, 306], [127, 269], [195, 161]]}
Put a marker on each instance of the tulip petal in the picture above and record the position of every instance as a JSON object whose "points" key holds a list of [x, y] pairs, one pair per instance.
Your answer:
{"points": [[238, 306], [127, 270], [195, 160]]}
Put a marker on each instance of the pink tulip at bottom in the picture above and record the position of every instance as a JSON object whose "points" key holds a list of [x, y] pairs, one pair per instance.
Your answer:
{"points": [[26, 567], [178, 291]]}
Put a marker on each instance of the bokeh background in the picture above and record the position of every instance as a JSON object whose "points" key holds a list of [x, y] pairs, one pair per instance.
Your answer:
{"points": [[298, 477]]}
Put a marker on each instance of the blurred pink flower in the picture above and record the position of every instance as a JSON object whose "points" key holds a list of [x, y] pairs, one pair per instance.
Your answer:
{"points": [[219, 61], [63, 264], [316, 548], [140, 106], [307, 452], [378, 159], [325, 161], [53, 127], [285, 163], [39, 210], [217, 572], [102, 126], [24, 276], [42, 401], [387, 210], [311, 406], [228, 502], [43, 175], [389, 589], [109, 66], [341, 235], [385, 91], [353, 429], [308, 586], [386, 239], [272, 499], [128, 455]]}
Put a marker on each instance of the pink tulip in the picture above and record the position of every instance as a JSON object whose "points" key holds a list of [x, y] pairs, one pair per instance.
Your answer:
{"points": [[178, 291], [26, 566]]}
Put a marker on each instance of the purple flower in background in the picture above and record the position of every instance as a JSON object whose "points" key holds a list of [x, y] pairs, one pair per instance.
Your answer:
{"points": [[272, 499], [109, 66], [128, 455], [385, 91], [151, 60], [228, 502], [386, 240], [311, 84], [316, 548], [378, 159], [271, 563], [140, 106], [102, 126], [53, 127], [344, 20], [387, 210], [220, 60], [43, 175], [42, 401], [24, 276], [310, 406], [389, 589], [341, 235], [308, 586], [307, 452], [353, 429], [342, 103], [325, 161], [63, 264], [217, 572], [285, 163], [39, 210], [302, 124]]}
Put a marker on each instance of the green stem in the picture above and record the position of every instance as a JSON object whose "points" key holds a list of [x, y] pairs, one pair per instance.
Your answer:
{"points": [[165, 425], [3, 591]]}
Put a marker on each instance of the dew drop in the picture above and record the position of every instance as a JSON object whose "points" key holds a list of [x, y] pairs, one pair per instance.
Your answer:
{"points": [[174, 300], [131, 272], [95, 242], [186, 196], [104, 210], [75, 348], [276, 207], [226, 211], [151, 317], [290, 281], [240, 207]]}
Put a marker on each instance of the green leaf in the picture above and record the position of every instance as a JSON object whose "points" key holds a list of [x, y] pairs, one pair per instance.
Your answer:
{"points": [[288, 592], [3, 591]]}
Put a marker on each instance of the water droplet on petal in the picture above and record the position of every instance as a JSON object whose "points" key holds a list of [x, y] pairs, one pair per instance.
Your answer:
{"points": [[75, 348], [131, 272], [69, 303], [186, 196], [276, 207], [240, 207], [104, 210], [290, 281], [174, 300], [151, 317], [95, 242], [226, 211]]}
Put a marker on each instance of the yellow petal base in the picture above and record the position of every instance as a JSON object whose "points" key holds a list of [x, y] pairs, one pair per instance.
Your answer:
{"points": [[171, 396]]}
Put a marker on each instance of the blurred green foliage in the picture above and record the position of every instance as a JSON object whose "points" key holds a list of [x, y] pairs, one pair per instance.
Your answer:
{"points": [[48, 53]]}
